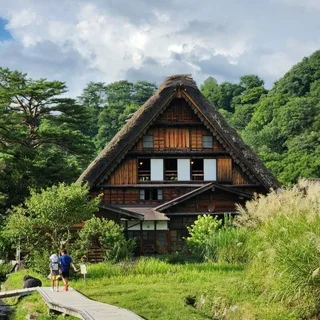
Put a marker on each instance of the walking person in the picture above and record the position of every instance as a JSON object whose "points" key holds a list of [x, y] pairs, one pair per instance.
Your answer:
{"points": [[66, 262], [54, 267]]}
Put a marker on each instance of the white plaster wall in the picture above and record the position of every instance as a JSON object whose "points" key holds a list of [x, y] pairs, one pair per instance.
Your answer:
{"points": [[146, 225], [156, 169], [184, 169], [210, 169]]}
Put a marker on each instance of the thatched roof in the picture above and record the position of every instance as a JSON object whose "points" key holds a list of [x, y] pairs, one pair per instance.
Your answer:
{"points": [[137, 126]]}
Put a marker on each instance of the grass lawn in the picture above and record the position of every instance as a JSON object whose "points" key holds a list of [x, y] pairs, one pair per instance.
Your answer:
{"points": [[157, 290]]}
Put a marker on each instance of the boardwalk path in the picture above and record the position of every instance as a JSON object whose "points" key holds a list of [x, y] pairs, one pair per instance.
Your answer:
{"points": [[76, 304]]}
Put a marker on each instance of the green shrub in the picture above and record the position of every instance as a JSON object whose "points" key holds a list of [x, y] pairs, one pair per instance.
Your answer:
{"points": [[218, 242], [200, 231], [4, 270], [38, 260], [107, 235]]}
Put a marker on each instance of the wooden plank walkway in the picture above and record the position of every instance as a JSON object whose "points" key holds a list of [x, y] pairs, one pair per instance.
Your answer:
{"points": [[74, 303], [16, 293]]}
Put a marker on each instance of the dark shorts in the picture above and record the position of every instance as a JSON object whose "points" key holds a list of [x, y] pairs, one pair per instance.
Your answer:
{"points": [[65, 274]]}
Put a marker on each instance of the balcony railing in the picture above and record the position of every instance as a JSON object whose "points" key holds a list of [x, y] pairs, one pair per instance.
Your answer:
{"points": [[171, 175], [197, 175], [144, 175]]}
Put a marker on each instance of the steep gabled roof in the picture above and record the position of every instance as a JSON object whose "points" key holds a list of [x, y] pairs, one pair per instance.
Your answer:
{"points": [[194, 193], [137, 126]]}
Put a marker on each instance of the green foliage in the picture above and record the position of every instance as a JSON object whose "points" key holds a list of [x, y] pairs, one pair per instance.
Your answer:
{"points": [[250, 81], [228, 244], [284, 246], [211, 90], [221, 95], [199, 232], [47, 216], [219, 291], [110, 106], [4, 271], [281, 125], [93, 99], [285, 123], [18, 227], [41, 139], [218, 242], [107, 235], [38, 261]]}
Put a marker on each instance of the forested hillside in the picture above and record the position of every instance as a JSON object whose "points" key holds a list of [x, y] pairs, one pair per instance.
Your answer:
{"points": [[282, 125]]}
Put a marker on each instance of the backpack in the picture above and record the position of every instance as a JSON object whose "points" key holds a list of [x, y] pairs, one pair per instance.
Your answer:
{"points": [[55, 266]]}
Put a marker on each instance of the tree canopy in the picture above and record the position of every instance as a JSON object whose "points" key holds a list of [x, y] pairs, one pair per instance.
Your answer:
{"points": [[41, 138], [282, 125], [111, 105], [46, 217]]}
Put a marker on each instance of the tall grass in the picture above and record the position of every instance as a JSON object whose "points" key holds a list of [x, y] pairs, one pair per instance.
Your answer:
{"points": [[284, 245], [227, 244]]}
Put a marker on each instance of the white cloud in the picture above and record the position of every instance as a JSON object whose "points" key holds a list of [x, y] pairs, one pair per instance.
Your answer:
{"points": [[309, 4], [78, 41]]}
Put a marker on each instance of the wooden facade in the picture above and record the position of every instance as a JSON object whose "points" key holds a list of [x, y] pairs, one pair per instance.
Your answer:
{"points": [[175, 159]]}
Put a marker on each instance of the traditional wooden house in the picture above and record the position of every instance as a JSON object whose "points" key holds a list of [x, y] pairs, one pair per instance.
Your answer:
{"points": [[175, 159]]}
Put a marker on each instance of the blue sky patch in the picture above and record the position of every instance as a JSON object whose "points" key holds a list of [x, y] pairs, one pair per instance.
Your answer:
{"points": [[4, 34]]}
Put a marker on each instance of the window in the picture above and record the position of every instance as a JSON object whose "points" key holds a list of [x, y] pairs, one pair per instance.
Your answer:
{"points": [[144, 169], [207, 141], [170, 169], [147, 141], [151, 194], [197, 169]]}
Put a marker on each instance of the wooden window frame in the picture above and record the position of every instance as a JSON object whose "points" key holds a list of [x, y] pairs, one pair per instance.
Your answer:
{"points": [[147, 141], [207, 142], [148, 194]]}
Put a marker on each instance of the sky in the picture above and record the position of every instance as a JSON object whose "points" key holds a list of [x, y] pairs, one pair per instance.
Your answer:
{"points": [[78, 41]]}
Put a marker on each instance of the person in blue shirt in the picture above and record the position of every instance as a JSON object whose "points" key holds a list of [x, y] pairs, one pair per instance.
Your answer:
{"points": [[65, 264]]}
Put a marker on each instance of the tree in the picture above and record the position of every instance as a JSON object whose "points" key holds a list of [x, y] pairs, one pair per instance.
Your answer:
{"points": [[244, 106], [284, 124], [228, 91], [93, 99], [142, 91], [123, 99], [211, 90], [41, 142], [250, 81], [46, 218]]}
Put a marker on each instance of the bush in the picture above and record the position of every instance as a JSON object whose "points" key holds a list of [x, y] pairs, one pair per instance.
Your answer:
{"points": [[4, 270], [285, 245], [38, 261], [200, 231], [107, 235], [218, 242]]}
